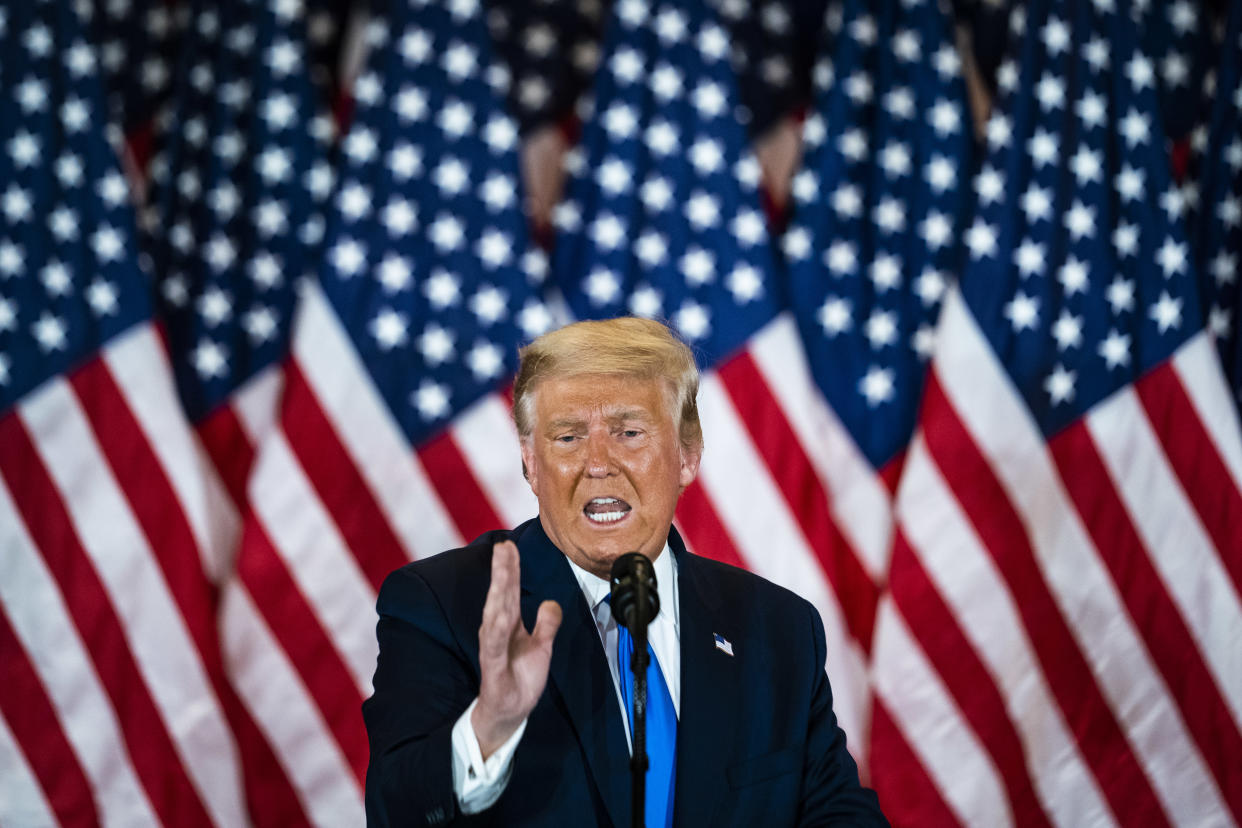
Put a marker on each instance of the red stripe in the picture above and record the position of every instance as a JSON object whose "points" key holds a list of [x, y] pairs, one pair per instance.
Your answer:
{"points": [[803, 491], [907, 794], [25, 705], [1198, 465], [1155, 615], [1087, 713], [150, 494], [934, 626], [332, 472], [704, 531], [464, 500], [309, 647], [230, 450], [43, 511]]}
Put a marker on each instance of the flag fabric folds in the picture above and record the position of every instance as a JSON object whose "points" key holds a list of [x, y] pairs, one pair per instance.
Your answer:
{"points": [[969, 402], [1066, 562]]}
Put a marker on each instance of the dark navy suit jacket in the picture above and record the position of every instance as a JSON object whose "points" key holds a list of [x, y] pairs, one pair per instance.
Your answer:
{"points": [[757, 741]]}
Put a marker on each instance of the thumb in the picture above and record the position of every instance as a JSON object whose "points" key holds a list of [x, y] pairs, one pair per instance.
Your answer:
{"points": [[547, 622]]}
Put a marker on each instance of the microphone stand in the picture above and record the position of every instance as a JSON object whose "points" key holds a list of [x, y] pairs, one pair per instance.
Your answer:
{"points": [[638, 723]]}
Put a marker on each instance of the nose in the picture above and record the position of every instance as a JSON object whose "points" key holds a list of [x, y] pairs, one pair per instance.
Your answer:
{"points": [[598, 456]]}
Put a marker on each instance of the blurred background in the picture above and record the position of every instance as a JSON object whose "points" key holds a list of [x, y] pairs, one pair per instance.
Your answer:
{"points": [[962, 279]]}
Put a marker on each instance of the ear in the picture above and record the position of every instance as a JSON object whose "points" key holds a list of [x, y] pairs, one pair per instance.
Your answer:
{"points": [[528, 464], [689, 467]]}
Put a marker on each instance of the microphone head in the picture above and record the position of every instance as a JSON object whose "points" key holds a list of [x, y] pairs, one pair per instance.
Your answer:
{"points": [[634, 596]]}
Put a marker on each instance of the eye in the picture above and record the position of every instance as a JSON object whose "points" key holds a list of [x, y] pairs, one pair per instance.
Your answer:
{"points": [[631, 432], [566, 438]]}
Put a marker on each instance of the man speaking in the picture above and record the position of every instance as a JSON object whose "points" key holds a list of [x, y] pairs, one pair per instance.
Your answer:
{"points": [[478, 721]]}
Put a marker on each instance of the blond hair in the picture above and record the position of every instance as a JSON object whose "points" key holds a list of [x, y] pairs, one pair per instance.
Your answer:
{"points": [[626, 346]]}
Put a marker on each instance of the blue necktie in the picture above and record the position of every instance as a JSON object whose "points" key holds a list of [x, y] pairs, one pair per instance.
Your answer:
{"points": [[661, 730]]}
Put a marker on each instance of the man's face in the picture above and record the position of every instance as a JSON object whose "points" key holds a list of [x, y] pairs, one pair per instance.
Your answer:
{"points": [[606, 464]]}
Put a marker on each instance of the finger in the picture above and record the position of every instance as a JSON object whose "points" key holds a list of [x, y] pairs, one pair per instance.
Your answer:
{"points": [[547, 622], [498, 612]]}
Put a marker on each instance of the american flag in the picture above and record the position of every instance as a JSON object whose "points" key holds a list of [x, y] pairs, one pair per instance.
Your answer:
{"points": [[115, 704], [1066, 573], [662, 219]]}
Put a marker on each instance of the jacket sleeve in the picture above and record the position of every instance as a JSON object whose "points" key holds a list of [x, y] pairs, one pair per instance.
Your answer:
{"points": [[423, 683], [831, 792]]}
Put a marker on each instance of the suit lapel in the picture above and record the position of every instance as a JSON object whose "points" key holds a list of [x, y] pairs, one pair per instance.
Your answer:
{"points": [[709, 693], [579, 672]]}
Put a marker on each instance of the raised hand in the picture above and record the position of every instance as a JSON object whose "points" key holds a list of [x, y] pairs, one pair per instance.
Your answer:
{"points": [[513, 663]]}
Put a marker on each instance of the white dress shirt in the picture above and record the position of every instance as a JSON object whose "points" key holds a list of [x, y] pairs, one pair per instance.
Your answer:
{"points": [[477, 782]]}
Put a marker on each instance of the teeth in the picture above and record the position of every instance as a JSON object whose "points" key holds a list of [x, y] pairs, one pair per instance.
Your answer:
{"points": [[604, 500], [607, 517]]}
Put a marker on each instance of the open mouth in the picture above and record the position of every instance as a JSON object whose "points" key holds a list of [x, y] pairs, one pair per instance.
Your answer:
{"points": [[605, 510]]}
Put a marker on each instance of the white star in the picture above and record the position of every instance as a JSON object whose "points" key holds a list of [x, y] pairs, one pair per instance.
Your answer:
{"points": [[411, 104], [602, 286], [16, 204], [489, 304], [1091, 110], [260, 323], [8, 314], [446, 233], [443, 289], [274, 165], [1037, 203], [1073, 276], [835, 315], [1022, 312], [930, 286], [877, 385], [900, 103], [881, 329], [1121, 295], [265, 270], [1173, 203], [745, 283], [283, 57], [215, 306], [626, 65], [1171, 257], [707, 156], [703, 210], [905, 45], [1135, 128], [889, 215], [75, 114], [63, 224], [354, 201], [645, 302], [895, 159], [1043, 147], [1086, 166], [847, 201], [1166, 312], [886, 272], [1096, 54], [1050, 92], [451, 176], [24, 149], [460, 61], [670, 26], [1125, 239], [434, 343], [620, 121], [1060, 385], [405, 161], [841, 258], [651, 249], [32, 95], [1139, 71], [12, 259], [1067, 330], [389, 328], [666, 82], [698, 266], [858, 87], [271, 218], [1229, 211], [941, 173], [431, 399], [1115, 349], [806, 186], [608, 232], [999, 131], [348, 257], [709, 99], [107, 244], [989, 185], [947, 61], [494, 249], [500, 135], [211, 359], [656, 194], [1130, 183], [613, 176], [853, 144], [748, 227], [662, 138], [981, 239], [279, 111], [56, 278], [1080, 221], [1220, 322], [936, 230], [485, 361], [693, 321], [1029, 257], [863, 30]]}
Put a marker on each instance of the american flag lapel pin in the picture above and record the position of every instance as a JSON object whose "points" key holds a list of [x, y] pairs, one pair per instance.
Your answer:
{"points": [[723, 644]]}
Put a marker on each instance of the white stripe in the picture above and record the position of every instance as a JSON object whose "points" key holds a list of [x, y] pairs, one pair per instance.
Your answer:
{"points": [[998, 421], [368, 431], [42, 623], [257, 402], [317, 557], [21, 797], [1179, 547], [1198, 366], [860, 503], [276, 698], [770, 540], [138, 363], [933, 727], [154, 628], [955, 561], [487, 438]]}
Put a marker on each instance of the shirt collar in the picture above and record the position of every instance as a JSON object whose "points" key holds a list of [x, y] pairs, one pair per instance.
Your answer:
{"points": [[595, 589]]}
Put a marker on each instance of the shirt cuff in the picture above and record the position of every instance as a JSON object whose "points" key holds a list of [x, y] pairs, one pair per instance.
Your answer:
{"points": [[478, 783]]}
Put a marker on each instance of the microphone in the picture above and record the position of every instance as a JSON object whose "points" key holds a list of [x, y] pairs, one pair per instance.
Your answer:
{"points": [[635, 602]]}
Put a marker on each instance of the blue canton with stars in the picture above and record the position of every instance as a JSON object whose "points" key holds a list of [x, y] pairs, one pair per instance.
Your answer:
{"points": [[879, 206], [1215, 222], [137, 41], [1078, 270], [427, 262], [662, 215], [69, 278], [235, 212]]}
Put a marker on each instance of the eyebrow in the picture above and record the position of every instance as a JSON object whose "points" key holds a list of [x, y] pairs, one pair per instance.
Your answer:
{"points": [[622, 416]]}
